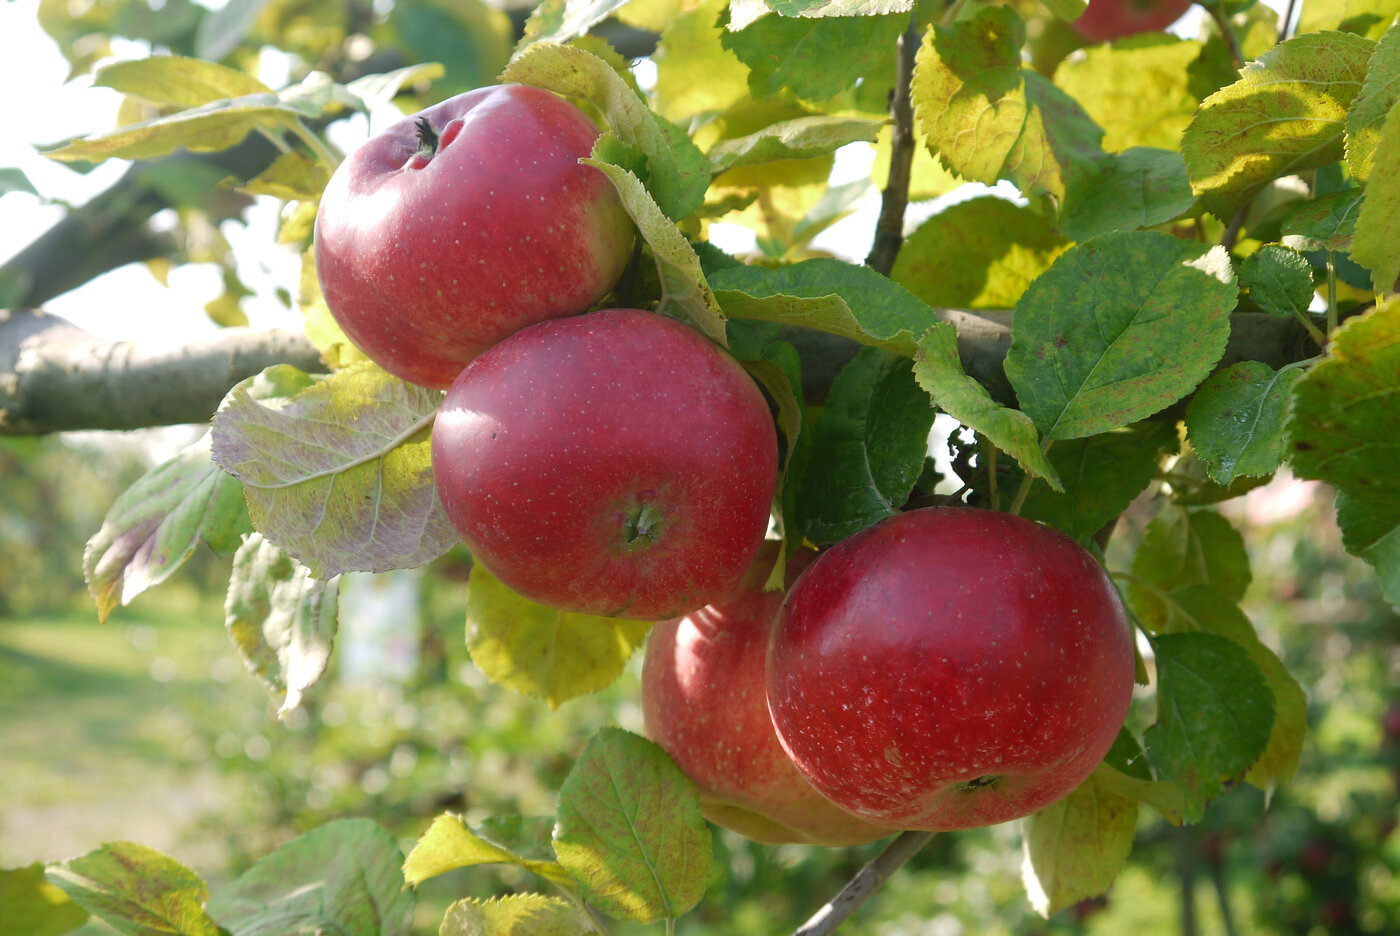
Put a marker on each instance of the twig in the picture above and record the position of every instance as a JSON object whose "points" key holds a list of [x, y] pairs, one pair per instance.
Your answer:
{"points": [[1227, 32], [889, 229], [1285, 23], [1232, 233], [866, 881]]}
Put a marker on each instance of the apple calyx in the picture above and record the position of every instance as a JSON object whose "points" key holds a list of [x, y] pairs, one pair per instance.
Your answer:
{"points": [[427, 139], [979, 783], [642, 524]]}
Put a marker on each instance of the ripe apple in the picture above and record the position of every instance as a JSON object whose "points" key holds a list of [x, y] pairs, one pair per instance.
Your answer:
{"points": [[949, 668], [1105, 20], [615, 463], [703, 700], [464, 223]]}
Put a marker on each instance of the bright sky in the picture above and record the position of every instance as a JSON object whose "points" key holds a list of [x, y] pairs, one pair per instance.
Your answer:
{"points": [[129, 303]]}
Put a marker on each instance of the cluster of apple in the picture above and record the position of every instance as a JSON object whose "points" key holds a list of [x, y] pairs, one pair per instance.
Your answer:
{"points": [[945, 668]]}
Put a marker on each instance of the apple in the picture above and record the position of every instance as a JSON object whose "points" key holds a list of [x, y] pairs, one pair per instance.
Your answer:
{"points": [[615, 463], [1105, 20], [464, 223], [704, 702], [950, 667]]}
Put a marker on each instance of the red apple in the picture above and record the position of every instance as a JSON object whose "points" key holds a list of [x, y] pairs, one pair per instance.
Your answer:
{"points": [[464, 223], [949, 668], [1105, 20], [615, 463], [704, 702]]}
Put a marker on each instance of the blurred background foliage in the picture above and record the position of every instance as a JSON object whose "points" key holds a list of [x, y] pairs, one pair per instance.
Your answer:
{"points": [[150, 729]]}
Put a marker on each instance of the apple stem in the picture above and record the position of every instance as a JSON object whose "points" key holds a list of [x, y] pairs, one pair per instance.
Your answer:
{"points": [[427, 138], [865, 883]]}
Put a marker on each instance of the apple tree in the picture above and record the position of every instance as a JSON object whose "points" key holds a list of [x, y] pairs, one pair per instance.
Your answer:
{"points": [[1140, 268]]}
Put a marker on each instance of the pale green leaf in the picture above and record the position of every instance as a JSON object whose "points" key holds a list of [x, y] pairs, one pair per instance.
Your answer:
{"points": [[174, 79], [281, 619], [1377, 242], [630, 830], [1074, 848], [32, 906], [155, 525], [827, 295], [340, 475], [543, 652], [1367, 114], [14, 180], [977, 254], [1235, 420], [1058, 151], [450, 844], [1344, 428], [292, 176], [137, 890], [381, 88], [342, 877], [684, 292], [1215, 714], [515, 915], [1163, 797], [1284, 115], [800, 138], [1118, 329], [839, 7], [562, 20], [939, 372], [1369, 18], [695, 73], [1135, 89], [1185, 547]]}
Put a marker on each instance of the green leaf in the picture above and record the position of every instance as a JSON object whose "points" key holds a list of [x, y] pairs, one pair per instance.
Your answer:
{"points": [[31, 906], [342, 877], [1215, 713], [695, 73], [1163, 797], [1235, 420], [827, 295], [1074, 848], [799, 138], [630, 830], [684, 292], [137, 890], [1364, 17], [1102, 475], [1326, 223], [1134, 189], [873, 436], [515, 915], [814, 58], [1285, 115], [179, 81], [222, 29], [1135, 89], [291, 177], [340, 475], [1377, 242], [562, 20], [218, 125], [1205, 609], [14, 180], [382, 87], [541, 652], [938, 370], [472, 40], [677, 172], [1368, 112], [1279, 280], [450, 844], [1185, 547], [1118, 329], [978, 254], [155, 525], [968, 92], [1344, 428], [281, 619]]}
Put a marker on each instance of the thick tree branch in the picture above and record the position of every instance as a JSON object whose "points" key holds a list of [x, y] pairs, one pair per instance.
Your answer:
{"points": [[54, 377]]}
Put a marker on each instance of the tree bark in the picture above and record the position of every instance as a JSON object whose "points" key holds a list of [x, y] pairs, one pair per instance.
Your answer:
{"points": [[54, 377]]}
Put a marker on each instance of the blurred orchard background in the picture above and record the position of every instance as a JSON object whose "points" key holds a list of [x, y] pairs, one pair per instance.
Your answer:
{"points": [[149, 729]]}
